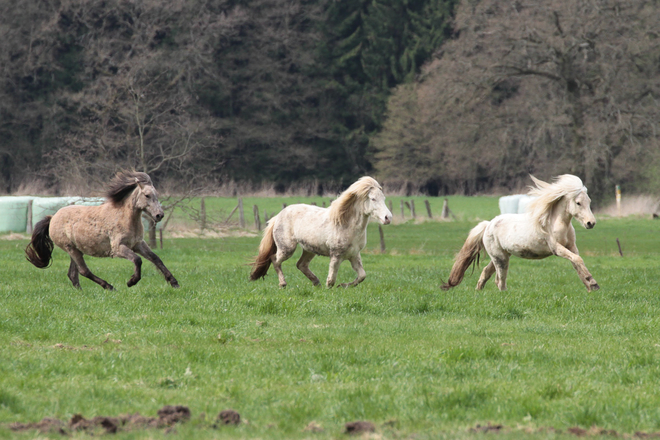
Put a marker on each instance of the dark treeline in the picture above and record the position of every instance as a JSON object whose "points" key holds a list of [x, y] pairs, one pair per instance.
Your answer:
{"points": [[443, 96], [256, 90]]}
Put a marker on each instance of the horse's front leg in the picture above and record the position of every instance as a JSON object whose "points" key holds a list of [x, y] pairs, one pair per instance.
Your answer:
{"points": [[124, 251], [356, 263], [578, 263], [335, 261], [143, 249]]}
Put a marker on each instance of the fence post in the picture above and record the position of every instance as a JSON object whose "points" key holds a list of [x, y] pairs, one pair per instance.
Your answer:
{"points": [[402, 213], [428, 208], [445, 209], [241, 214], [382, 239], [412, 209], [28, 224], [283, 205], [257, 220], [160, 232], [202, 215]]}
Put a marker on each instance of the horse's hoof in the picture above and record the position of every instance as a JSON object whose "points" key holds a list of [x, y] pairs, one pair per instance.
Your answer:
{"points": [[131, 283], [594, 287], [175, 285], [108, 287]]}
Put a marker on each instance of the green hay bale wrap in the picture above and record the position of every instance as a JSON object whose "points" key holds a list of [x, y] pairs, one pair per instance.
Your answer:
{"points": [[13, 213]]}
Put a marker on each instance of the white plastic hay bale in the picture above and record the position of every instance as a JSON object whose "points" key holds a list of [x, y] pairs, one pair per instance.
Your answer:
{"points": [[13, 213], [509, 204], [43, 206], [524, 202]]}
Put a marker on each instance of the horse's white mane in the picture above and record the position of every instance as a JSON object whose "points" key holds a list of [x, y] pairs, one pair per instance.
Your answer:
{"points": [[342, 209], [549, 194]]}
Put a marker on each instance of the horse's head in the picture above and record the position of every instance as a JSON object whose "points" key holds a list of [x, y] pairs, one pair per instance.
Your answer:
{"points": [[375, 206], [580, 208], [146, 199]]}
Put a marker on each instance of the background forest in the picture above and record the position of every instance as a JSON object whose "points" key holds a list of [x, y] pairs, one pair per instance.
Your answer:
{"points": [[438, 96]]}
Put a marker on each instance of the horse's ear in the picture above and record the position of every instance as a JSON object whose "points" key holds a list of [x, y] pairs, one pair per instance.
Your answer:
{"points": [[140, 184]]}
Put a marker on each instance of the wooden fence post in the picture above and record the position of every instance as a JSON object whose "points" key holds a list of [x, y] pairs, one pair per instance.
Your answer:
{"points": [[28, 224], [283, 205], [428, 208], [382, 239], [257, 220], [412, 209], [445, 209], [241, 214], [402, 213], [202, 215]]}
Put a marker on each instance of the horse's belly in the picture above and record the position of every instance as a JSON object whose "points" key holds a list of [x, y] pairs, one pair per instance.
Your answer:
{"points": [[531, 253], [315, 248]]}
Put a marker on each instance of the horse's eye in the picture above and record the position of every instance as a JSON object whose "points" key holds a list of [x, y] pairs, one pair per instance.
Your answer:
{"points": [[579, 204], [148, 196]]}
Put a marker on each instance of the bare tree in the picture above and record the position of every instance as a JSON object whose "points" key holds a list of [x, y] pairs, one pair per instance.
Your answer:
{"points": [[548, 88]]}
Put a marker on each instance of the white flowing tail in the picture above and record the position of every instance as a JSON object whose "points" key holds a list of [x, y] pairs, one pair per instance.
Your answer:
{"points": [[467, 256]]}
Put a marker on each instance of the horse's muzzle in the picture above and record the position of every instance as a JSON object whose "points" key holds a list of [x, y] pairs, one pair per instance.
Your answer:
{"points": [[158, 217], [387, 220], [590, 225]]}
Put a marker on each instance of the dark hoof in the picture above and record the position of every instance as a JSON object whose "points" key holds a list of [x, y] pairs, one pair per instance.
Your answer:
{"points": [[132, 283], [108, 287], [594, 287], [175, 284]]}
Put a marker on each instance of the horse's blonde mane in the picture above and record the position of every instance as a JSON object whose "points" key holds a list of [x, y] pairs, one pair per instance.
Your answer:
{"points": [[343, 208], [549, 194]]}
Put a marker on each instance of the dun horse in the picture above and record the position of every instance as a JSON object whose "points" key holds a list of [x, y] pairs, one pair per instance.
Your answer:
{"points": [[113, 229], [338, 232], [544, 230]]}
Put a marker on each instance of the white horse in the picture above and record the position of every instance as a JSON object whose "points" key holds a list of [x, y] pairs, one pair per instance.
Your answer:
{"points": [[338, 232], [544, 230]]}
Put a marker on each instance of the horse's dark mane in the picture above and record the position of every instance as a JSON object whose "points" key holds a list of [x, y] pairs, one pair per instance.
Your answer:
{"points": [[123, 184]]}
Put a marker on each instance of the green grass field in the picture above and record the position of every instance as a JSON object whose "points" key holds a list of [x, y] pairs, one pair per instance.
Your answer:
{"points": [[545, 355]]}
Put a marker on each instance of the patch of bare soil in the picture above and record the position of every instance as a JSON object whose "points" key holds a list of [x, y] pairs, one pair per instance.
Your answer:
{"points": [[359, 427], [167, 417], [228, 417], [577, 431]]}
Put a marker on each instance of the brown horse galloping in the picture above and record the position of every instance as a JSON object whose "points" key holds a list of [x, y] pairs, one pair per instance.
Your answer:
{"points": [[113, 229]]}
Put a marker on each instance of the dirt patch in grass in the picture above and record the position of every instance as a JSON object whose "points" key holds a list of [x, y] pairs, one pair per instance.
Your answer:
{"points": [[359, 427], [167, 417]]}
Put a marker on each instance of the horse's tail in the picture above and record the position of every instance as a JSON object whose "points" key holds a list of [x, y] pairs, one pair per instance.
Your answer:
{"points": [[39, 251], [468, 255], [267, 248]]}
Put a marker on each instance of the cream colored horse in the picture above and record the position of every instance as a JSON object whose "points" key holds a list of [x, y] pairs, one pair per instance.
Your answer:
{"points": [[544, 230], [113, 229], [338, 232]]}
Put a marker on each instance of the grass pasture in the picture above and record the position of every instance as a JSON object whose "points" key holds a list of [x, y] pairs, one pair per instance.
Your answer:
{"points": [[419, 363]]}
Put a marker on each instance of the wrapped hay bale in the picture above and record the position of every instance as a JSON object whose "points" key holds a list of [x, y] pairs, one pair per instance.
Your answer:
{"points": [[509, 204], [524, 202], [13, 213], [43, 206]]}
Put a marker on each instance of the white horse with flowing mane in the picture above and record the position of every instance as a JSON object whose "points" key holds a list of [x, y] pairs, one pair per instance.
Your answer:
{"points": [[544, 230], [338, 232]]}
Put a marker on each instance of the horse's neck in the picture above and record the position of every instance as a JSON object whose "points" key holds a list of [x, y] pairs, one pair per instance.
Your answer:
{"points": [[131, 213], [560, 217], [357, 223]]}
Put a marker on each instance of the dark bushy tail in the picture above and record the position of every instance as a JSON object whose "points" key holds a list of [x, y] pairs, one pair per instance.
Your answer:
{"points": [[40, 249], [467, 256], [267, 248]]}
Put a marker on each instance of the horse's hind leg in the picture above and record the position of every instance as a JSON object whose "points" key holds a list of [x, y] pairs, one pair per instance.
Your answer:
{"points": [[501, 263], [143, 249], [73, 274], [77, 256], [356, 263], [282, 254], [303, 266], [488, 271]]}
